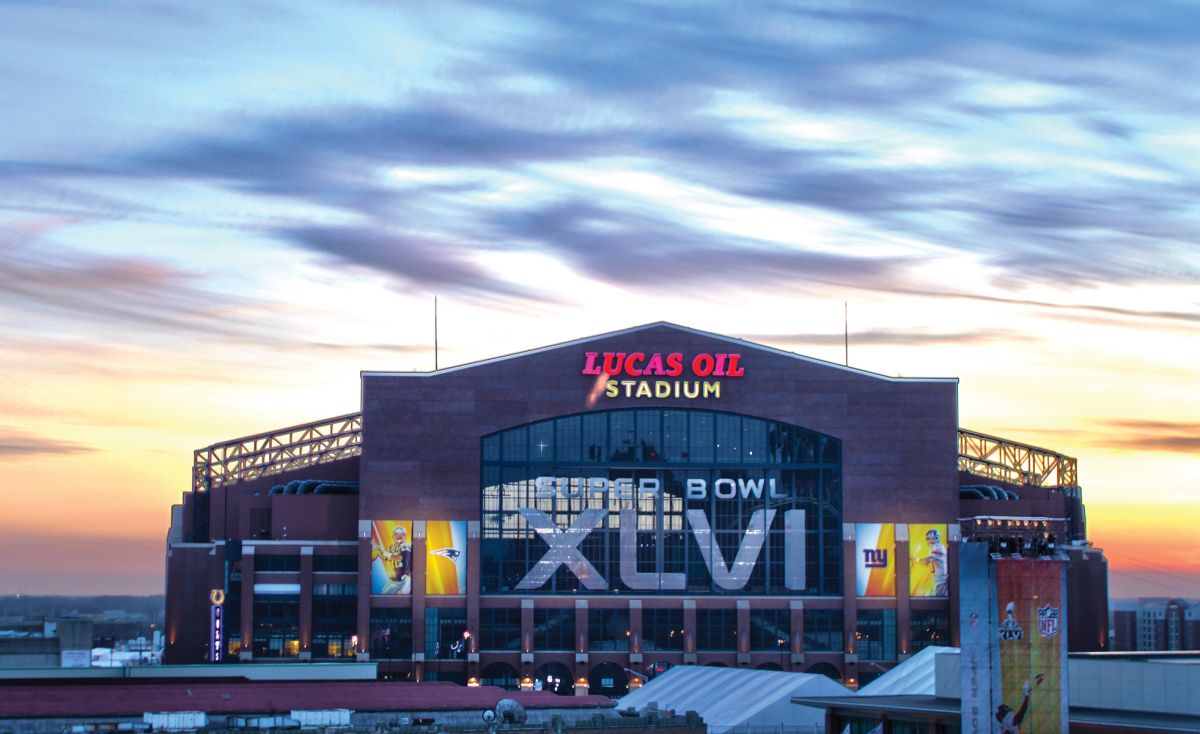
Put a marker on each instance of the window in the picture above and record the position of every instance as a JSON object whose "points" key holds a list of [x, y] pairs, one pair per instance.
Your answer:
{"points": [[335, 612], [823, 630], [499, 629], [662, 629], [276, 625], [771, 630], [335, 564], [444, 633], [876, 634], [716, 629], [765, 467], [272, 563], [928, 629], [608, 630], [553, 629], [333, 644], [391, 633]]}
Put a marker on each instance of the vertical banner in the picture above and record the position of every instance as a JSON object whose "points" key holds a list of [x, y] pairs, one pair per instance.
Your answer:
{"points": [[1031, 638], [391, 557], [446, 561], [979, 664], [928, 573], [875, 565]]}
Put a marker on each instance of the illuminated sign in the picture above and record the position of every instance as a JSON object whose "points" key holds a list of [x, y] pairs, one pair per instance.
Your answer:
{"points": [[564, 551], [217, 634], [217, 596], [609, 367], [928, 574], [624, 488], [876, 568]]}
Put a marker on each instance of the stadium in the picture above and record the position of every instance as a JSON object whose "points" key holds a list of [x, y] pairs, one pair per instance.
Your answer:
{"points": [[583, 516]]}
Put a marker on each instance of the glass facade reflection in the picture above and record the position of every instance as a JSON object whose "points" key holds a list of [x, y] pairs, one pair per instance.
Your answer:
{"points": [[646, 501]]}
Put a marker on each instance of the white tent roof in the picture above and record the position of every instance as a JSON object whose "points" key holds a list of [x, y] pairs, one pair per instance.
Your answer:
{"points": [[915, 676], [729, 697]]}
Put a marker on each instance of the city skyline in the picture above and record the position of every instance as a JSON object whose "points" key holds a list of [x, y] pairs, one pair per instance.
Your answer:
{"points": [[214, 217]]}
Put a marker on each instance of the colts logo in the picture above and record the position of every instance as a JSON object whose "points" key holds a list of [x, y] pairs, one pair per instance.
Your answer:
{"points": [[1048, 620], [875, 557]]}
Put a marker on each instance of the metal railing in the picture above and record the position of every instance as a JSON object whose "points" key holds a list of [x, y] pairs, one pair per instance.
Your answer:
{"points": [[1017, 463], [276, 452], [338, 438]]}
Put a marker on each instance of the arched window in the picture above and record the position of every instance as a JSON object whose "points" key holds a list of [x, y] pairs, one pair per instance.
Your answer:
{"points": [[661, 501]]}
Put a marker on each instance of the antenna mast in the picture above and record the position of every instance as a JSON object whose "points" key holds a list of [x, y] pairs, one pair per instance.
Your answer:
{"points": [[846, 329], [435, 335]]}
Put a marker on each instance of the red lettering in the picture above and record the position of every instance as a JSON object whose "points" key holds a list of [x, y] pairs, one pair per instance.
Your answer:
{"points": [[674, 364], [702, 365], [630, 369], [613, 362], [590, 367], [720, 369], [734, 370], [654, 366]]}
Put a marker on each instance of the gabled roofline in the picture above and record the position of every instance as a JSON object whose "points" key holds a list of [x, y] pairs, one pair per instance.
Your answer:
{"points": [[645, 327]]}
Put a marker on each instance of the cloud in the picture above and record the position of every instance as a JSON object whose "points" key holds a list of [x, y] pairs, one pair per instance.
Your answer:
{"points": [[421, 262], [18, 445], [1131, 435], [637, 250], [542, 91], [891, 337], [1144, 435]]}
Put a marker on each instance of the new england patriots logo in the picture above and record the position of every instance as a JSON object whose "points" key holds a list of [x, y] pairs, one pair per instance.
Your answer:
{"points": [[451, 553]]}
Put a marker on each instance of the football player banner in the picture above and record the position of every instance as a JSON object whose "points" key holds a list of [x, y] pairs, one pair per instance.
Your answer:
{"points": [[875, 565], [391, 557], [446, 557], [928, 573], [1031, 636]]}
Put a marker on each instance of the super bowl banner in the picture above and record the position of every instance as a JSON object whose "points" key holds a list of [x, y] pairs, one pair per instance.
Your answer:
{"points": [[445, 557], [391, 557], [876, 559], [928, 574], [1031, 636]]}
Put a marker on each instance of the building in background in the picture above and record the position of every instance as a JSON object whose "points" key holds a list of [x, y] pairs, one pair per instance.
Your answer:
{"points": [[581, 516], [1156, 624]]}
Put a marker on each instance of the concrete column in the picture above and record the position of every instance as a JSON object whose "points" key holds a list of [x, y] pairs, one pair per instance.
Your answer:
{"points": [[796, 606], [247, 652], [363, 623], [743, 628], [952, 543], [903, 602], [474, 562], [306, 602], [850, 600], [581, 626], [689, 628], [419, 558], [526, 641]]}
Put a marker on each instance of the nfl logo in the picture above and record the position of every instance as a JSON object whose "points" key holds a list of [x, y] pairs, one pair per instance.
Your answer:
{"points": [[1048, 620]]}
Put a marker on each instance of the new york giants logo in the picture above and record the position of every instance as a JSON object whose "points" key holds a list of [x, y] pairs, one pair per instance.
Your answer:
{"points": [[875, 557]]}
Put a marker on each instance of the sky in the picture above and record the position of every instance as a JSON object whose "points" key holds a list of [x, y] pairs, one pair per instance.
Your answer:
{"points": [[214, 215]]}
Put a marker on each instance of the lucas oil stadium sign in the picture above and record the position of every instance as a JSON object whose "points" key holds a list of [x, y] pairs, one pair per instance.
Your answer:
{"points": [[636, 367]]}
